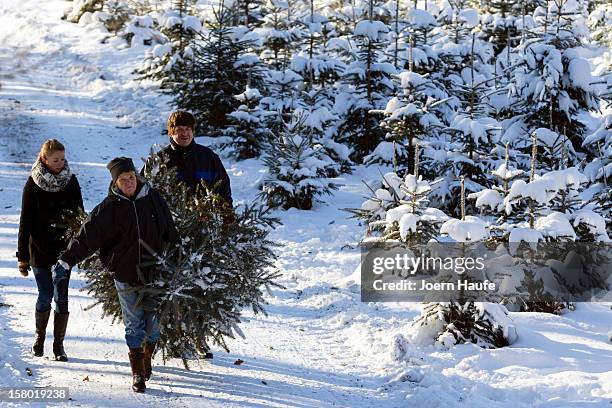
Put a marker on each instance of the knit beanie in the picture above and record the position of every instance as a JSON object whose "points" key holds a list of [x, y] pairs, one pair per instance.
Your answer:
{"points": [[120, 165]]}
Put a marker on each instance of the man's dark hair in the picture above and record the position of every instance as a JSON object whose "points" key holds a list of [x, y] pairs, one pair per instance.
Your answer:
{"points": [[180, 118]]}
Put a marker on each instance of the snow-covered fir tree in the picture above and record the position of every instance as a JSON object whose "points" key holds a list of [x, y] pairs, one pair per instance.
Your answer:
{"points": [[549, 205], [249, 13], [549, 209], [490, 201], [313, 61], [501, 23], [298, 169], [278, 34], [399, 210], [487, 325], [248, 128], [345, 14], [464, 71], [482, 323], [411, 117], [552, 82], [455, 43], [600, 22], [317, 119], [474, 149], [221, 266], [366, 86], [283, 95], [220, 68], [166, 62], [319, 68], [412, 44], [599, 171]]}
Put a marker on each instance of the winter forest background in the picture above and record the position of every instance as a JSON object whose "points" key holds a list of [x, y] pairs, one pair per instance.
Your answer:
{"points": [[359, 121], [447, 89]]}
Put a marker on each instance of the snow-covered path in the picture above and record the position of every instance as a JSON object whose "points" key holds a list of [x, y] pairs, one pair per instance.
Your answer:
{"points": [[319, 346], [49, 91]]}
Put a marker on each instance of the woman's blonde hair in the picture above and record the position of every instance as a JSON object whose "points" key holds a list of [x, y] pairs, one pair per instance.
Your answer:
{"points": [[50, 146]]}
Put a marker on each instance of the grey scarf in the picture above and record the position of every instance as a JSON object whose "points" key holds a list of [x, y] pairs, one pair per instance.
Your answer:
{"points": [[48, 181]]}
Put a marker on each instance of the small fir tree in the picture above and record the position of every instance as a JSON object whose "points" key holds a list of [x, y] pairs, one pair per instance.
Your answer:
{"points": [[297, 169]]}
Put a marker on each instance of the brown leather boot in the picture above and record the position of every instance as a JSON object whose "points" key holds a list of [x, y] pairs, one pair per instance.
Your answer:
{"points": [[60, 321], [149, 351], [138, 371], [41, 319]]}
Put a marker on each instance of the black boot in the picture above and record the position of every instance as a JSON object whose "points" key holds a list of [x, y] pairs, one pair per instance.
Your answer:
{"points": [[60, 321], [149, 351], [41, 319], [137, 358]]}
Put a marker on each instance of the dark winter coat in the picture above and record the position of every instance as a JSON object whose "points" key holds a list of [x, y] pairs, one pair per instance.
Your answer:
{"points": [[115, 227], [196, 162], [40, 226]]}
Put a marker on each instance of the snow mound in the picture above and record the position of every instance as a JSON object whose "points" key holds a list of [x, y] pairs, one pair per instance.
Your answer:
{"points": [[488, 198], [487, 325], [469, 230], [374, 30], [555, 225]]}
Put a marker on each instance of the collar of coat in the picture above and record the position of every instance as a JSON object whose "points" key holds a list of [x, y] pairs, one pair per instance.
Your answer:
{"points": [[144, 190], [182, 149]]}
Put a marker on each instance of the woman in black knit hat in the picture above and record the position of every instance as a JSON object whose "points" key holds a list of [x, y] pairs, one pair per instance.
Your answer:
{"points": [[50, 189], [132, 213]]}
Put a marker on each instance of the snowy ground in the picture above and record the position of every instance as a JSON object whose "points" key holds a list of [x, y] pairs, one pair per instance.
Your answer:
{"points": [[319, 346]]}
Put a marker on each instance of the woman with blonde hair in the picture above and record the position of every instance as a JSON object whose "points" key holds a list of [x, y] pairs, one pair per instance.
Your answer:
{"points": [[50, 190]]}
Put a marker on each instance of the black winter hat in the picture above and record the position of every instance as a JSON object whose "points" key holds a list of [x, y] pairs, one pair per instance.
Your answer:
{"points": [[120, 165]]}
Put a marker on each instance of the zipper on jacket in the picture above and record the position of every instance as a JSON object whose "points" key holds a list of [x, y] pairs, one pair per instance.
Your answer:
{"points": [[137, 222], [137, 230]]}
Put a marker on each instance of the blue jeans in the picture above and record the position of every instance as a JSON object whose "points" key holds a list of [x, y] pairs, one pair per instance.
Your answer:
{"points": [[48, 289], [140, 320]]}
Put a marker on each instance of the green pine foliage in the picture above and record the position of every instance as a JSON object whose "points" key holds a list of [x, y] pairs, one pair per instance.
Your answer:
{"points": [[298, 169], [222, 265], [216, 73], [552, 84], [248, 129], [484, 324], [399, 211], [166, 62]]}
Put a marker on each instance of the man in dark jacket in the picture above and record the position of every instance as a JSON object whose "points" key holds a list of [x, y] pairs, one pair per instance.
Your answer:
{"points": [[193, 162], [132, 213]]}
